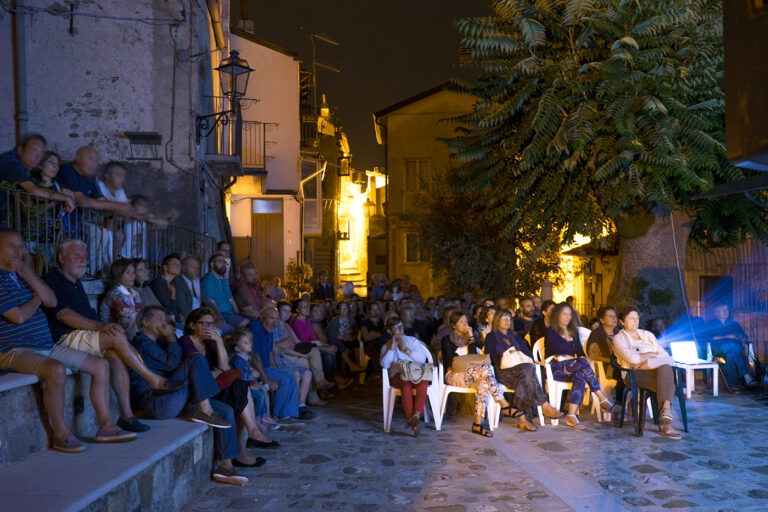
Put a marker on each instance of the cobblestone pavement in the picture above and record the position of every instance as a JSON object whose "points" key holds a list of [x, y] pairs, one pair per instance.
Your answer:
{"points": [[343, 461]]}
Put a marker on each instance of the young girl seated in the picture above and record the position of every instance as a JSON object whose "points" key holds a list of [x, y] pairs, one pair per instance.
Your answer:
{"points": [[240, 345]]}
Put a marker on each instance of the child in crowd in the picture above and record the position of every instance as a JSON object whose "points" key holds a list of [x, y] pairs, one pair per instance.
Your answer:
{"points": [[240, 346]]}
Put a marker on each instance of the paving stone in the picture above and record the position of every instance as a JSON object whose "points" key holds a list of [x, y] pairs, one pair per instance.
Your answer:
{"points": [[637, 501], [646, 468], [679, 504], [760, 469], [553, 446], [448, 508], [758, 494], [668, 456]]}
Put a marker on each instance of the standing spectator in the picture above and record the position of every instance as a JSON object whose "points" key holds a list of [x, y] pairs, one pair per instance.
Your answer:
{"points": [[248, 291], [524, 319], [277, 292], [164, 285], [216, 288], [112, 183], [189, 293], [410, 290], [728, 340], [15, 166], [405, 348], [537, 306], [75, 324], [380, 289], [157, 345], [324, 289], [121, 303], [570, 364], [40, 218]]}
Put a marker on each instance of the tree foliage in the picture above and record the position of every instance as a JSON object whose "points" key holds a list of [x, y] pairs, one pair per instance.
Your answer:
{"points": [[591, 111], [467, 252]]}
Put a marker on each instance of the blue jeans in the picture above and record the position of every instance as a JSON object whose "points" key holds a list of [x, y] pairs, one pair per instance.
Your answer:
{"points": [[578, 372], [225, 439], [736, 364], [233, 319], [287, 395], [259, 402]]}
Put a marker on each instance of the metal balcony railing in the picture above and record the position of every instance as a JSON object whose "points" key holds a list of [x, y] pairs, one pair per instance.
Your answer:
{"points": [[43, 224], [255, 144]]}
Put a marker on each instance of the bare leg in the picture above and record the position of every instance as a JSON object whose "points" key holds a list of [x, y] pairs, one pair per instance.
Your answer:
{"points": [[121, 383], [304, 384], [130, 357], [98, 369], [242, 451], [54, 374], [248, 418]]}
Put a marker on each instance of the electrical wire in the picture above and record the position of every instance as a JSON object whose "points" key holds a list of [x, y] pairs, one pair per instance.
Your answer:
{"points": [[52, 12], [680, 275]]}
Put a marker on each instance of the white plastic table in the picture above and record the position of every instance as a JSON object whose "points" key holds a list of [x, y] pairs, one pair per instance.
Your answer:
{"points": [[690, 376]]}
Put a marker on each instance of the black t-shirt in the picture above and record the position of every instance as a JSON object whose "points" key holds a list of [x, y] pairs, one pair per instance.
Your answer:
{"points": [[11, 168], [69, 178], [69, 295]]}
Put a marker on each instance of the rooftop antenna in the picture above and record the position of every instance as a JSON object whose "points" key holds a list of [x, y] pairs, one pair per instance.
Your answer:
{"points": [[318, 37]]}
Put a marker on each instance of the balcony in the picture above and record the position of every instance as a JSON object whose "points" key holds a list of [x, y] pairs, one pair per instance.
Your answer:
{"points": [[220, 144]]}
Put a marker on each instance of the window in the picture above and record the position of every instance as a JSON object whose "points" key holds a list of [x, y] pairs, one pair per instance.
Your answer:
{"points": [[413, 252], [417, 173]]}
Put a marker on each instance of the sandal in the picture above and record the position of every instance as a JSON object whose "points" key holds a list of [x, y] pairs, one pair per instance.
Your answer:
{"points": [[524, 424], [551, 413], [480, 429], [578, 425], [666, 417], [508, 412], [606, 405]]}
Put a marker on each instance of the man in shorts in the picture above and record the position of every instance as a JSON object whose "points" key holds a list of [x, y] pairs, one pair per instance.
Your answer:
{"points": [[26, 346]]}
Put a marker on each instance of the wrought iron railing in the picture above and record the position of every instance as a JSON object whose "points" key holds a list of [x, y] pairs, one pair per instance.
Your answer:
{"points": [[255, 143], [43, 224]]}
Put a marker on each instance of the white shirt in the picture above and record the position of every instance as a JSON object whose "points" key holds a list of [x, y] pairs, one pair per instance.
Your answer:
{"points": [[117, 197], [419, 352], [194, 287]]}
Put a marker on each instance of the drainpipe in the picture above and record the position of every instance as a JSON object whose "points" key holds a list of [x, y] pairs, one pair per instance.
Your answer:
{"points": [[386, 192], [227, 227], [20, 67]]}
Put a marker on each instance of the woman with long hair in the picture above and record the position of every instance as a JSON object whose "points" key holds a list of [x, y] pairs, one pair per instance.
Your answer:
{"points": [[460, 342], [570, 364], [517, 371], [122, 302]]}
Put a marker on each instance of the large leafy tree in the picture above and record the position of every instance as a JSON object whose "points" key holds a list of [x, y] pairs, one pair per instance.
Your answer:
{"points": [[603, 115]]}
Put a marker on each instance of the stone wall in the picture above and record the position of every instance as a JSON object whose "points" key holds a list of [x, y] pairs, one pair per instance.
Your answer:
{"points": [[89, 79]]}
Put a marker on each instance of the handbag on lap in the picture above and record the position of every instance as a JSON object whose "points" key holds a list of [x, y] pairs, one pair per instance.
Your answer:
{"points": [[415, 372], [512, 357], [462, 363]]}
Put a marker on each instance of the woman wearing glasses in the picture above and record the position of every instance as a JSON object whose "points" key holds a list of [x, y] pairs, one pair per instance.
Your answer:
{"points": [[513, 362], [200, 335]]}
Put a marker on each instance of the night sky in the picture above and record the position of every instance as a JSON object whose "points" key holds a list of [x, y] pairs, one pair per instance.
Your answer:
{"points": [[388, 51]]}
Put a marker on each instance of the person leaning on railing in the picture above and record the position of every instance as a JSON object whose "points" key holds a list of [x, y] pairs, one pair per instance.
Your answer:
{"points": [[15, 167]]}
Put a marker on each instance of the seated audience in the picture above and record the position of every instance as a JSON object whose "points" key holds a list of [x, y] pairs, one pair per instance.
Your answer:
{"points": [[372, 327], [728, 340], [570, 364], [638, 349], [380, 289], [141, 285], [164, 285], [402, 347], [410, 290], [413, 325], [285, 384], [225, 250], [342, 332], [460, 342], [156, 343], [121, 303], [517, 371], [112, 183], [189, 293], [75, 324], [216, 289], [201, 336], [395, 292], [248, 293], [537, 303], [540, 325], [523, 321], [484, 322], [576, 316]]}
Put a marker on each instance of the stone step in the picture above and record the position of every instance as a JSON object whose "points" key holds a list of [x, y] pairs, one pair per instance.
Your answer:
{"points": [[162, 470]]}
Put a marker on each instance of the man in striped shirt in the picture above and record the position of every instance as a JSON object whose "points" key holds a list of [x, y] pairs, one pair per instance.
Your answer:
{"points": [[26, 346]]}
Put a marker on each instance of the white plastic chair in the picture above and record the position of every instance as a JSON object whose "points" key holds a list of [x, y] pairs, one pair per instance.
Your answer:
{"points": [[555, 388], [389, 394], [493, 410]]}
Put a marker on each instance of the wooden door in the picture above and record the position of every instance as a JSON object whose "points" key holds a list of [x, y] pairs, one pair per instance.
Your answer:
{"points": [[268, 239]]}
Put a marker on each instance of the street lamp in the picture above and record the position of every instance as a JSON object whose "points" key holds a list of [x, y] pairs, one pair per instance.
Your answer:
{"points": [[233, 73]]}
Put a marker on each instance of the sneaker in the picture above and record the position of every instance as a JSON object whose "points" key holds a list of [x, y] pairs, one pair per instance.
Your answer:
{"points": [[113, 435], [132, 425], [306, 414], [212, 420], [69, 445], [228, 476]]}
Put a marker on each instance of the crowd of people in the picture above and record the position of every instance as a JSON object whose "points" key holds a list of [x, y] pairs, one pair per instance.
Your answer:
{"points": [[230, 351]]}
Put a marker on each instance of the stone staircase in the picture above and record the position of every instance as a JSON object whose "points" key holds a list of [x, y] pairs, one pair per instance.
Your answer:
{"points": [[162, 470]]}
